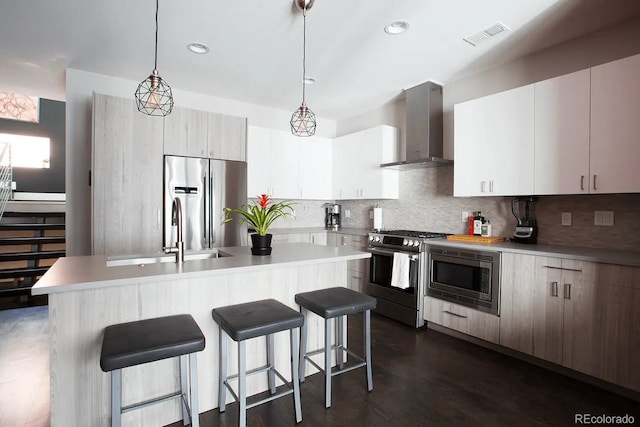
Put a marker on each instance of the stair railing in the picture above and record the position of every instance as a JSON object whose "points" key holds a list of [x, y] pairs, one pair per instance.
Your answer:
{"points": [[6, 175]]}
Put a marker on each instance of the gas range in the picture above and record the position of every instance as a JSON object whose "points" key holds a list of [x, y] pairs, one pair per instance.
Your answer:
{"points": [[406, 240]]}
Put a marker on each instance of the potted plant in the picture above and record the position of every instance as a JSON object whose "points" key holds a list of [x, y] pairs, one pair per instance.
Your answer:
{"points": [[260, 215]]}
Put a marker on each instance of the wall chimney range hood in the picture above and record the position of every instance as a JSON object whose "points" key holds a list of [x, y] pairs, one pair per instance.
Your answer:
{"points": [[423, 129]]}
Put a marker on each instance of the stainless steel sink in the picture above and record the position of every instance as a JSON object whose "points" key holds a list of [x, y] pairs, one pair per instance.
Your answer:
{"points": [[141, 260]]}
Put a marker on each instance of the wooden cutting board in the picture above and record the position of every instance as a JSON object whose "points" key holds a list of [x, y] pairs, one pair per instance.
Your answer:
{"points": [[476, 239]]}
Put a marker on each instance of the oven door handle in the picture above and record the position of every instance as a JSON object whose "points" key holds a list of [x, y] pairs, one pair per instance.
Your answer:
{"points": [[412, 257]]}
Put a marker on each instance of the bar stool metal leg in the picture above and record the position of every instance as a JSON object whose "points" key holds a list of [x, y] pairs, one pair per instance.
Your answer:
{"points": [[222, 391], [294, 375], [271, 375], [367, 347], [303, 343], [184, 390], [339, 353], [327, 363], [193, 392], [242, 383], [116, 397]]}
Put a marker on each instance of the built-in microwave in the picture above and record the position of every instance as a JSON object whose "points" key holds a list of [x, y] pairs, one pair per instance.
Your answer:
{"points": [[466, 277]]}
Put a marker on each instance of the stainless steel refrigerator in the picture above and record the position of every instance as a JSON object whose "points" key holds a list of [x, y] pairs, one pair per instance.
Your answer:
{"points": [[205, 187]]}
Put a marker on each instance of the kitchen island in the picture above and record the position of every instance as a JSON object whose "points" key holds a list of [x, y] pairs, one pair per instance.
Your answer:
{"points": [[85, 296]]}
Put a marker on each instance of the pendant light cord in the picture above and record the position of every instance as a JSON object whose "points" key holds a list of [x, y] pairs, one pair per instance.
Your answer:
{"points": [[155, 58], [304, 52]]}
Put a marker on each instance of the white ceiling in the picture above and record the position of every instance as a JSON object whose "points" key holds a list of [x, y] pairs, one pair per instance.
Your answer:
{"points": [[256, 45]]}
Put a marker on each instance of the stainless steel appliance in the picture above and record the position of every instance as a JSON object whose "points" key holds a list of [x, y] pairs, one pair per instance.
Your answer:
{"points": [[332, 216], [466, 277], [526, 228], [204, 187], [397, 253]]}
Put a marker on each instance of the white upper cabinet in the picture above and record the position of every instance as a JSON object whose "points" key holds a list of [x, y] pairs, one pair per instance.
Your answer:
{"points": [[285, 165], [615, 126], [316, 168], [494, 144], [258, 161], [356, 164], [562, 134]]}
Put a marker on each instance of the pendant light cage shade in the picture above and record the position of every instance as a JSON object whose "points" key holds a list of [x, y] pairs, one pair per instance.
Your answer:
{"points": [[154, 97], [303, 122]]}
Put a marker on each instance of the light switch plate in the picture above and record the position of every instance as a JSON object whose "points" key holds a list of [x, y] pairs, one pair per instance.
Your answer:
{"points": [[604, 218], [347, 213], [566, 218], [464, 216]]}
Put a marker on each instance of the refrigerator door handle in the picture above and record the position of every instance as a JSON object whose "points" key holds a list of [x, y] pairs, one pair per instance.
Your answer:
{"points": [[205, 225], [212, 228]]}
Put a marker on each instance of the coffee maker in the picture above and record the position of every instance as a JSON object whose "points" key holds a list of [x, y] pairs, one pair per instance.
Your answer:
{"points": [[526, 228], [332, 216]]}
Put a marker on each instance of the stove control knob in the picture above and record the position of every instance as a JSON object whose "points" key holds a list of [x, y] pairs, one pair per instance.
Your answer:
{"points": [[371, 238], [405, 242], [416, 243], [377, 239]]}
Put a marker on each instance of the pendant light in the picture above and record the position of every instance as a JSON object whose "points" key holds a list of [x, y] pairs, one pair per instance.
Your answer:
{"points": [[153, 96], [303, 120]]}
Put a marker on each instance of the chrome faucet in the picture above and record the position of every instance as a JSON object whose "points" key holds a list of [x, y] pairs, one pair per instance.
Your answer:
{"points": [[176, 219]]}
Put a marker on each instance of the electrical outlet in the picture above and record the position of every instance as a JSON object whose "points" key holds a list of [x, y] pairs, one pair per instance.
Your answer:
{"points": [[566, 218], [464, 216], [603, 218], [371, 214], [347, 213]]}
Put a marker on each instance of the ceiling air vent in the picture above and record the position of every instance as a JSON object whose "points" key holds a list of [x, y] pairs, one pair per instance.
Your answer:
{"points": [[484, 35]]}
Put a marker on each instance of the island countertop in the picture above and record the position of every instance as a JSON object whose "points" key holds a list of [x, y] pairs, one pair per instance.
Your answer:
{"points": [[91, 272]]}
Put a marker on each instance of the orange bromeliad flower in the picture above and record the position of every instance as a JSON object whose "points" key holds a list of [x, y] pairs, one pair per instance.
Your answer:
{"points": [[263, 201]]}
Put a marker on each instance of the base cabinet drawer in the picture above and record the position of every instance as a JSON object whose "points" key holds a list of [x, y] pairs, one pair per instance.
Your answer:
{"points": [[462, 319]]}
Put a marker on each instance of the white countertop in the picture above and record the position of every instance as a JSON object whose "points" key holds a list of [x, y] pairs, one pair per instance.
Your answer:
{"points": [[608, 256], [301, 230], [91, 272]]}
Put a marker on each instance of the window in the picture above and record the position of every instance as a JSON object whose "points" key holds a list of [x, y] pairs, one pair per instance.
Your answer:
{"points": [[28, 151]]}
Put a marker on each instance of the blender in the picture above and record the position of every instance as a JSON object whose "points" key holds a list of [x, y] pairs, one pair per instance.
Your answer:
{"points": [[526, 228]]}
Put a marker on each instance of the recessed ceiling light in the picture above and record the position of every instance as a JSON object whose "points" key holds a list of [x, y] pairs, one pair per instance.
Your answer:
{"points": [[309, 80], [396, 27], [199, 48]]}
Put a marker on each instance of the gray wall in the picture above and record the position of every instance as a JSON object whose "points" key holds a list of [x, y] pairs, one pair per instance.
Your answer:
{"points": [[51, 125]]}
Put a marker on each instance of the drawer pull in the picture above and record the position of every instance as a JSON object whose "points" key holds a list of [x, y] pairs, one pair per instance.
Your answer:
{"points": [[567, 291], [581, 182], [554, 289], [455, 314], [562, 268]]}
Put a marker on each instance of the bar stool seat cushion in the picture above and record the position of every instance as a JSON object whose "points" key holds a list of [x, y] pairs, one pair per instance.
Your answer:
{"points": [[142, 341], [333, 302], [255, 319]]}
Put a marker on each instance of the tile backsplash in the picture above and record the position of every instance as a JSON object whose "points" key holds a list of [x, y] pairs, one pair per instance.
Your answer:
{"points": [[426, 203]]}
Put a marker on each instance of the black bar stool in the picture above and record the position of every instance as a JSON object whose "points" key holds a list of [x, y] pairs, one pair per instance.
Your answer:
{"points": [[241, 322], [143, 341], [329, 304]]}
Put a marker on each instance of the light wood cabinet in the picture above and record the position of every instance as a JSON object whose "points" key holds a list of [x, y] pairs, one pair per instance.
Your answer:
{"points": [[462, 319], [318, 238], [578, 314], [226, 137], [126, 178], [185, 133], [615, 128], [358, 270], [494, 144], [562, 134]]}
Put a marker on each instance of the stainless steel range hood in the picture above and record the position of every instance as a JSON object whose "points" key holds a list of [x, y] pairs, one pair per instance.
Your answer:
{"points": [[424, 129]]}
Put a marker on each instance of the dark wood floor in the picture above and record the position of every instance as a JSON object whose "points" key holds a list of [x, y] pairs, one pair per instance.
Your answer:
{"points": [[421, 378]]}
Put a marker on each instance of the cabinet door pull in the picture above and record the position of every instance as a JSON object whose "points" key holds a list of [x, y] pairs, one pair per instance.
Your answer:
{"points": [[595, 177], [581, 182], [313, 238], [567, 291], [491, 186], [554, 289], [562, 268], [482, 187], [455, 314]]}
